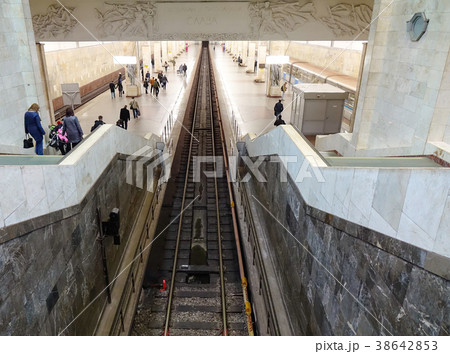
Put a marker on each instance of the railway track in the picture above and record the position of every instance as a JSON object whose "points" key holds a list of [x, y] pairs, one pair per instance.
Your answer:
{"points": [[196, 256]]}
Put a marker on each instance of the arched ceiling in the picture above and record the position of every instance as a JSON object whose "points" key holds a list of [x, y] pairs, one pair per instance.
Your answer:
{"points": [[136, 20]]}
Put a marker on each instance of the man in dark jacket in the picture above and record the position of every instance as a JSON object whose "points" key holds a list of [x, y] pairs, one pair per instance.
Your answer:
{"points": [[97, 123], [278, 108], [125, 116], [112, 87]]}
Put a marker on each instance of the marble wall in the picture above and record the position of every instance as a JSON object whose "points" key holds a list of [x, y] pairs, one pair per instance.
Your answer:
{"points": [[20, 77], [51, 267], [85, 64], [339, 278], [40, 189], [409, 204], [346, 62]]}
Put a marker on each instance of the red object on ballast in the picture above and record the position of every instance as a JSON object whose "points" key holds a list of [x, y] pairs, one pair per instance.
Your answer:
{"points": [[166, 333], [223, 333], [164, 286]]}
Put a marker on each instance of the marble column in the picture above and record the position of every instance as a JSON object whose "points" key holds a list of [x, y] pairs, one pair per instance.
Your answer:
{"points": [[251, 57], [261, 76], [170, 50], [239, 49], [157, 56], [147, 56], [274, 75], [244, 53], [164, 57]]}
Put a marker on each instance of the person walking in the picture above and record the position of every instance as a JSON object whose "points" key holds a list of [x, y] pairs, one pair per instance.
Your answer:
{"points": [[166, 66], [72, 127], [97, 123], [164, 82], [33, 126], [135, 107], [278, 108], [283, 90], [184, 69], [124, 117], [156, 86], [146, 86], [112, 88], [152, 80], [119, 85]]}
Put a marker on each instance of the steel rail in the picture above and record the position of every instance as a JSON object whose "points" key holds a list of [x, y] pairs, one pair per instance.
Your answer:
{"points": [[219, 233], [180, 223], [244, 284]]}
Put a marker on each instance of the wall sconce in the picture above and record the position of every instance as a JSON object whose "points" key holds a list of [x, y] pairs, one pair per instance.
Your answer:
{"points": [[417, 26]]}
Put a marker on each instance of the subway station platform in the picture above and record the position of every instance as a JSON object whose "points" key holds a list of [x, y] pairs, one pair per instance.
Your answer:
{"points": [[251, 107]]}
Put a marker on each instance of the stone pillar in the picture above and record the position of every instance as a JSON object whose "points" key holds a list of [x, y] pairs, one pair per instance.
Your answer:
{"points": [[274, 75], [157, 56], [244, 53], [239, 49], [170, 50], [261, 64], [164, 51], [147, 56], [43, 67], [251, 57]]}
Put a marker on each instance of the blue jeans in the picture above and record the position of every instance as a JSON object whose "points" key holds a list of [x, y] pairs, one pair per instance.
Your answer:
{"points": [[39, 149], [135, 112]]}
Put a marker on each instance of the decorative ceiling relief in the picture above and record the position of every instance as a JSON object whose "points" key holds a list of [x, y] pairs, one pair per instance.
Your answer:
{"points": [[281, 18], [56, 23], [348, 19], [121, 20], [134, 20]]}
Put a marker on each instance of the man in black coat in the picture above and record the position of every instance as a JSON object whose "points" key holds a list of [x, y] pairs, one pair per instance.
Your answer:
{"points": [[112, 88], [278, 108], [125, 116]]}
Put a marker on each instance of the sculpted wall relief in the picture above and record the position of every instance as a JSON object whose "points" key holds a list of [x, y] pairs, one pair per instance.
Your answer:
{"points": [[77, 20]]}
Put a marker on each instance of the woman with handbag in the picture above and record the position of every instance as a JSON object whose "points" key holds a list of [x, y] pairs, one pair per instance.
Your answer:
{"points": [[33, 126], [72, 127]]}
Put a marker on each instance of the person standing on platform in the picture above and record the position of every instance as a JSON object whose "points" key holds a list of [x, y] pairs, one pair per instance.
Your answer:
{"points": [[124, 117], [166, 66], [255, 66], [283, 90], [112, 87], [72, 127], [119, 85], [146, 86], [184, 69], [135, 107], [153, 63], [147, 75], [278, 108], [33, 126]]}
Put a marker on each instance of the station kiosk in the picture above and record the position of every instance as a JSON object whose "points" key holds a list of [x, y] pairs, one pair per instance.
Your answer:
{"points": [[317, 108]]}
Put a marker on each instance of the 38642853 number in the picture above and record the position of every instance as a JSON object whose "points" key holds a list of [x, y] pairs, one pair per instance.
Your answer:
{"points": [[407, 345]]}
